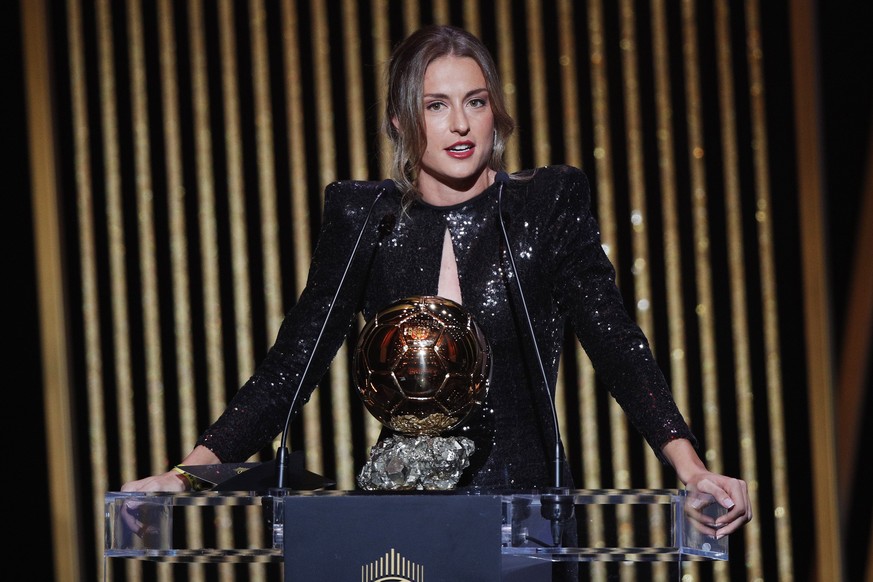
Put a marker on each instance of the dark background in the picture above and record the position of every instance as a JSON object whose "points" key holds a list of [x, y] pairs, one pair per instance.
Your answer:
{"points": [[846, 90]]}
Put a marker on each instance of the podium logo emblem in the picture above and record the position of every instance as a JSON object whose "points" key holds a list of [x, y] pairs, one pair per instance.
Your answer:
{"points": [[392, 567]]}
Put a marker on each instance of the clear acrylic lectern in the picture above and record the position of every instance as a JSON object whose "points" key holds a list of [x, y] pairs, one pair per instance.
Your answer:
{"points": [[582, 526]]}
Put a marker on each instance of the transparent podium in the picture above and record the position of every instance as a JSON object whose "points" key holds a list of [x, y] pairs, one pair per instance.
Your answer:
{"points": [[403, 536]]}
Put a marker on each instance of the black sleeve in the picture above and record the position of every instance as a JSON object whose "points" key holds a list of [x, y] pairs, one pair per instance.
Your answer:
{"points": [[258, 411], [619, 351]]}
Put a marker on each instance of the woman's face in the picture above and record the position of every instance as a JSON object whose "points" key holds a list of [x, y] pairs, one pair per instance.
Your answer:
{"points": [[459, 127]]}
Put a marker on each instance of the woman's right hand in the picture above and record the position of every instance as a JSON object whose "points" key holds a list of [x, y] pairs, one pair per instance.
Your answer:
{"points": [[135, 512], [171, 481]]}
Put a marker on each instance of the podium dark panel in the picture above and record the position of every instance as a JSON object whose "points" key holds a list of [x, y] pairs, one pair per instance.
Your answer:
{"points": [[401, 538]]}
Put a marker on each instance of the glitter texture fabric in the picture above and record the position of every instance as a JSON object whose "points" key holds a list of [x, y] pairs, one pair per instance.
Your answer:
{"points": [[566, 279]]}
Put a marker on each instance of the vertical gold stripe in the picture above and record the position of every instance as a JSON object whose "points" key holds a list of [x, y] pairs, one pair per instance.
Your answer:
{"points": [[588, 419], [857, 342], [354, 91], [322, 96], [237, 215], [700, 234], [537, 78], [700, 229], [236, 191], [147, 259], [816, 294], [296, 150], [178, 256], [354, 106], [381, 53], [507, 74], [560, 400], [636, 170], [591, 477], [206, 204], [669, 217], [773, 360], [269, 219], [326, 174], [117, 250], [602, 141], [569, 84], [52, 312], [269, 223], [178, 226], [638, 217], [472, 19], [90, 300], [208, 236], [297, 140], [739, 310], [441, 11], [411, 16]]}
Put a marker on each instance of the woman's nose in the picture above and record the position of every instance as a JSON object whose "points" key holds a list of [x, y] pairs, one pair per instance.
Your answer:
{"points": [[459, 122]]}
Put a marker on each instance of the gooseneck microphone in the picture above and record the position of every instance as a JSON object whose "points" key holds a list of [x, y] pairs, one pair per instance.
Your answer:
{"points": [[557, 504], [283, 453]]}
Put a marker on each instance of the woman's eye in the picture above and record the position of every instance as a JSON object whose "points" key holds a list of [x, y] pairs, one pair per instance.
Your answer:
{"points": [[477, 102], [435, 106]]}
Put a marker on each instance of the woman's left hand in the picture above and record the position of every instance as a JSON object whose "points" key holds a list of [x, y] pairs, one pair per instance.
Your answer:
{"points": [[730, 493]]}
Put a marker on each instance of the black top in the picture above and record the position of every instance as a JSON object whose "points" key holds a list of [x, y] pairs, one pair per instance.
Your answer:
{"points": [[566, 278]]}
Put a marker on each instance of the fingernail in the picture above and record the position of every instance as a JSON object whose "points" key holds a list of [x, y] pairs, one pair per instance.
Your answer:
{"points": [[718, 536], [728, 502], [695, 503]]}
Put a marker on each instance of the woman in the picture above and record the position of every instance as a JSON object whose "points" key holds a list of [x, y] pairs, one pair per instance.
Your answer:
{"points": [[439, 231]]}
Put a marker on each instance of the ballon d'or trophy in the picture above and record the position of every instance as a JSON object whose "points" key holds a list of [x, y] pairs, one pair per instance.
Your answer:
{"points": [[421, 367]]}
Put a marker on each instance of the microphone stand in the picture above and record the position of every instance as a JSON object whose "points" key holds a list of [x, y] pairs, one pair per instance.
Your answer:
{"points": [[556, 504], [283, 453]]}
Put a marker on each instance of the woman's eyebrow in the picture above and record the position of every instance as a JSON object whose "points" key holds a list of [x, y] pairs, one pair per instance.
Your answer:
{"points": [[445, 96]]}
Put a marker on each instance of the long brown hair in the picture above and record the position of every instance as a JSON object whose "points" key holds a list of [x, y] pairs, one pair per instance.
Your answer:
{"points": [[404, 101]]}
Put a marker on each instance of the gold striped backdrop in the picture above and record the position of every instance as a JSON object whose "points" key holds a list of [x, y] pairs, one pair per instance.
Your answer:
{"points": [[195, 140]]}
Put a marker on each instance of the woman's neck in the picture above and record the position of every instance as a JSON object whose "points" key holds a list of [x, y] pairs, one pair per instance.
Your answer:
{"points": [[441, 193]]}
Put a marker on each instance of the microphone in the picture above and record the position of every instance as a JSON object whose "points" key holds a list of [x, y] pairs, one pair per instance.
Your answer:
{"points": [[283, 453], [557, 503]]}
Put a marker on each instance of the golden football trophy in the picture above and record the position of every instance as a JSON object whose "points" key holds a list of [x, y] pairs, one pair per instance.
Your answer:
{"points": [[421, 367]]}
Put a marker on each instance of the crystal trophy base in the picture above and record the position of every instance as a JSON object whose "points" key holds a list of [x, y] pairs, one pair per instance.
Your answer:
{"points": [[402, 463]]}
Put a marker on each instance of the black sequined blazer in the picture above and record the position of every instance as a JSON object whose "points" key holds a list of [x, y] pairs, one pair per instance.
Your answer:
{"points": [[566, 279]]}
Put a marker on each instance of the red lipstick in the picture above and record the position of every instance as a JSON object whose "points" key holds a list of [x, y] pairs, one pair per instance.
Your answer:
{"points": [[461, 150]]}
